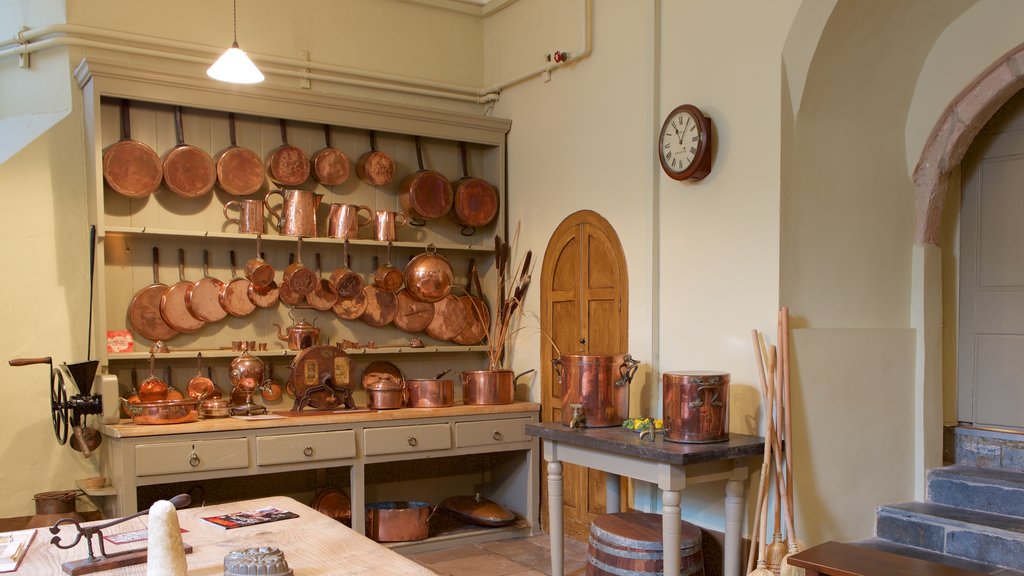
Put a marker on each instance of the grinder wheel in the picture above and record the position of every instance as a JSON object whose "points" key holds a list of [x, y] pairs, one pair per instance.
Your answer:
{"points": [[59, 406]]}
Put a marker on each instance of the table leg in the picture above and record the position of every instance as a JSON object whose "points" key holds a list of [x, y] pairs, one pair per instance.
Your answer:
{"points": [[671, 527], [612, 498], [555, 517], [733, 527]]}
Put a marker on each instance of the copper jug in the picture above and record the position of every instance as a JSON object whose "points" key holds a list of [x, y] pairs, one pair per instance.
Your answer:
{"points": [[696, 406], [250, 216], [297, 216], [300, 335], [386, 222], [599, 383], [343, 220]]}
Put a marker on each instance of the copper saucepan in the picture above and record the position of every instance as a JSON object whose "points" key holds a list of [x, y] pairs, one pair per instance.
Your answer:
{"points": [[398, 521], [374, 167], [351, 308], [288, 165], [347, 283], [475, 202], [131, 168], [478, 315], [203, 297], [234, 297], [430, 393], [267, 295], [425, 194], [330, 166], [324, 296], [240, 171], [152, 388], [201, 387], [188, 170], [144, 310], [174, 304]]}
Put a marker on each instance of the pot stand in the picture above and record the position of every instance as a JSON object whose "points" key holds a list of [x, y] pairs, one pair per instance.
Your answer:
{"points": [[326, 384]]}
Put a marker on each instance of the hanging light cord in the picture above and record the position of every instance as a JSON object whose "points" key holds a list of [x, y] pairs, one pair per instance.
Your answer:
{"points": [[234, 25]]}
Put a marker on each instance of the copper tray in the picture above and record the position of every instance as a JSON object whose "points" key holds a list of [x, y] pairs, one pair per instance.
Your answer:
{"points": [[334, 503], [478, 510]]}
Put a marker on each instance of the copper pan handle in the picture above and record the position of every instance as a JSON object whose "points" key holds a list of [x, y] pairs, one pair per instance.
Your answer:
{"points": [[29, 361]]}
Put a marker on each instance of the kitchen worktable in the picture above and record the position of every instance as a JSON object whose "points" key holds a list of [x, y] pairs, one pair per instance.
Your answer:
{"points": [[671, 466], [312, 544]]}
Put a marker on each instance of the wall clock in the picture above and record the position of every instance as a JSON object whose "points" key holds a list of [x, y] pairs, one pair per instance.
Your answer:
{"points": [[684, 145]]}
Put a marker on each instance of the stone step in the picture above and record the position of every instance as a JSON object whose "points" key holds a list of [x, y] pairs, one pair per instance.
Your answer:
{"points": [[984, 489], [974, 535], [988, 448]]}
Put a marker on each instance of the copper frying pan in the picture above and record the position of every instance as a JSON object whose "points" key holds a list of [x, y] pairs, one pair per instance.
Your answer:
{"points": [[234, 297], [173, 307], [381, 306], [413, 315], [374, 167], [144, 310], [449, 318], [203, 297], [475, 202], [201, 387], [131, 168], [478, 316], [288, 165], [425, 194], [330, 166], [188, 170], [240, 171]]}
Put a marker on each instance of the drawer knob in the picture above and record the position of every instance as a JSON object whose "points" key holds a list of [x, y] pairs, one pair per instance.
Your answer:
{"points": [[496, 435], [193, 460], [413, 441], [308, 451]]}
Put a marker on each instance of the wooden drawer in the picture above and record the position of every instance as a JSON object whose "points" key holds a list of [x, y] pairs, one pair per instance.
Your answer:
{"points": [[198, 456], [490, 432], [309, 447], [400, 439]]}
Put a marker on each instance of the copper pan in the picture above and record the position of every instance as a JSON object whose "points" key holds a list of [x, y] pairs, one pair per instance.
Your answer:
{"points": [[426, 194], [449, 318], [203, 297], [475, 202], [347, 282], [413, 315], [381, 306], [240, 171], [430, 393], [188, 170], [374, 167], [267, 295], [330, 166], [324, 296], [201, 387], [234, 297], [351, 308], [286, 294], [398, 521], [131, 168], [257, 270], [173, 307], [387, 277], [478, 316], [144, 310], [152, 388], [164, 411], [288, 165]]}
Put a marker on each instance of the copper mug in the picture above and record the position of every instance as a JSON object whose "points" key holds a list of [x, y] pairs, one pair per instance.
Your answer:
{"points": [[298, 212], [343, 220], [250, 216], [386, 222]]}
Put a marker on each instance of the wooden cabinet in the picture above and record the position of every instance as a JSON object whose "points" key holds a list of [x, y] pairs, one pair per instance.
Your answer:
{"points": [[358, 444]]}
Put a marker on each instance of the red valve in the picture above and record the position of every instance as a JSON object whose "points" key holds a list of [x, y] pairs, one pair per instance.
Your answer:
{"points": [[561, 57]]}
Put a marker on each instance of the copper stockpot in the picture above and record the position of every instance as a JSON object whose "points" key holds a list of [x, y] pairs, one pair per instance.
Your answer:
{"points": [[600, 383], [398, 521], [696, 406], [489, 387], [430, 393]]}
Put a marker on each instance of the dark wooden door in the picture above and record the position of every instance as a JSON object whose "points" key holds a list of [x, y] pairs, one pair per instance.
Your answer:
{"points": [[584, 297]]}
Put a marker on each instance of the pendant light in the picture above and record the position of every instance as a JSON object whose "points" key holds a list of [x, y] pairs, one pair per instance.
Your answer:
{"points": [[234, 65]]}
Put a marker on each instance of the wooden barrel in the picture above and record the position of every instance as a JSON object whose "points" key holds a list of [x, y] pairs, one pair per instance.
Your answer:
{"points": [[630, 543]]}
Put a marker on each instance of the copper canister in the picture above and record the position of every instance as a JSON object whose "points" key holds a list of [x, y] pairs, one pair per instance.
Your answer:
{"points": [[696, 406], [600, 383]]}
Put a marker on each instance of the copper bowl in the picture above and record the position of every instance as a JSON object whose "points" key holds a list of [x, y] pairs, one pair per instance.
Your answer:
{"points": [[163, 411], [430, 393], [385, 398]]}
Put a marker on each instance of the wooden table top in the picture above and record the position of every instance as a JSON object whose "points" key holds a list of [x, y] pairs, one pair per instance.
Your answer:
{"points": [[312, 544], [618, 440], [838, 559]]}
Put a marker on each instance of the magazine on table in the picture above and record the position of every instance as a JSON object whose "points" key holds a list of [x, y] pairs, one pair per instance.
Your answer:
{"points": [[250, 517], [13, 546]]}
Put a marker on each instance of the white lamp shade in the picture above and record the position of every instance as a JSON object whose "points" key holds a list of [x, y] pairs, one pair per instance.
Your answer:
{"points": [[236, 67]]}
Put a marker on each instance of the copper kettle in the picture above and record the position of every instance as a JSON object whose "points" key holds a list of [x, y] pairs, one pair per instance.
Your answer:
{"points": [[300, 335]]}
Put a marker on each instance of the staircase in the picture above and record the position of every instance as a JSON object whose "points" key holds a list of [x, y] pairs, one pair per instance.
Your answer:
{"points": [[974, 515]]}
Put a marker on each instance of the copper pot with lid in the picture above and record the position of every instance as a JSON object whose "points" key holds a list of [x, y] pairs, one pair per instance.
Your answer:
{"points": [[696, 406], [385, 386]]}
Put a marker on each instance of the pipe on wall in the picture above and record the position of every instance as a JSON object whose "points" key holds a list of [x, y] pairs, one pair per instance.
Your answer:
{"points": [[28, 41]]}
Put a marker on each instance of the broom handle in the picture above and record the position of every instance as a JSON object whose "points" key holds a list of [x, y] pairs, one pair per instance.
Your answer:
{"points": [[769, 441], [760, 512], [790, 520]]}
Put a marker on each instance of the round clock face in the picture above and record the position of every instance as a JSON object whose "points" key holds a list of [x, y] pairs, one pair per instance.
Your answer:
{"points": [[684, 144]]}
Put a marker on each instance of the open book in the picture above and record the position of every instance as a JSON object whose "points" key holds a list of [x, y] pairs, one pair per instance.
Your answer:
{"points": [[13, 546], [250, 517]]}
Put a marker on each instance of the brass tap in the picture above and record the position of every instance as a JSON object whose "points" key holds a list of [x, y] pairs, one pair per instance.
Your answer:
{"points": [[579, 418]]}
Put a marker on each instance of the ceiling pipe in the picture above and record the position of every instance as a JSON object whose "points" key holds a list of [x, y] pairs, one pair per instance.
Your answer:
{"points": [[28, 41]]}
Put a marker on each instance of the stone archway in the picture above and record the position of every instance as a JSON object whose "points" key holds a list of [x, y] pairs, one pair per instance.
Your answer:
{"points": [[957, 127]]}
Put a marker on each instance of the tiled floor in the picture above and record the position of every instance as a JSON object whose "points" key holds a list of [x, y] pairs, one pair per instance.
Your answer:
{"points": [[523, 557]]}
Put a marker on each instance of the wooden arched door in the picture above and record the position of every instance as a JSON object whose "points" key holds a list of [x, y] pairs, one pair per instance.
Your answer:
{"points": [[584, 308]]}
